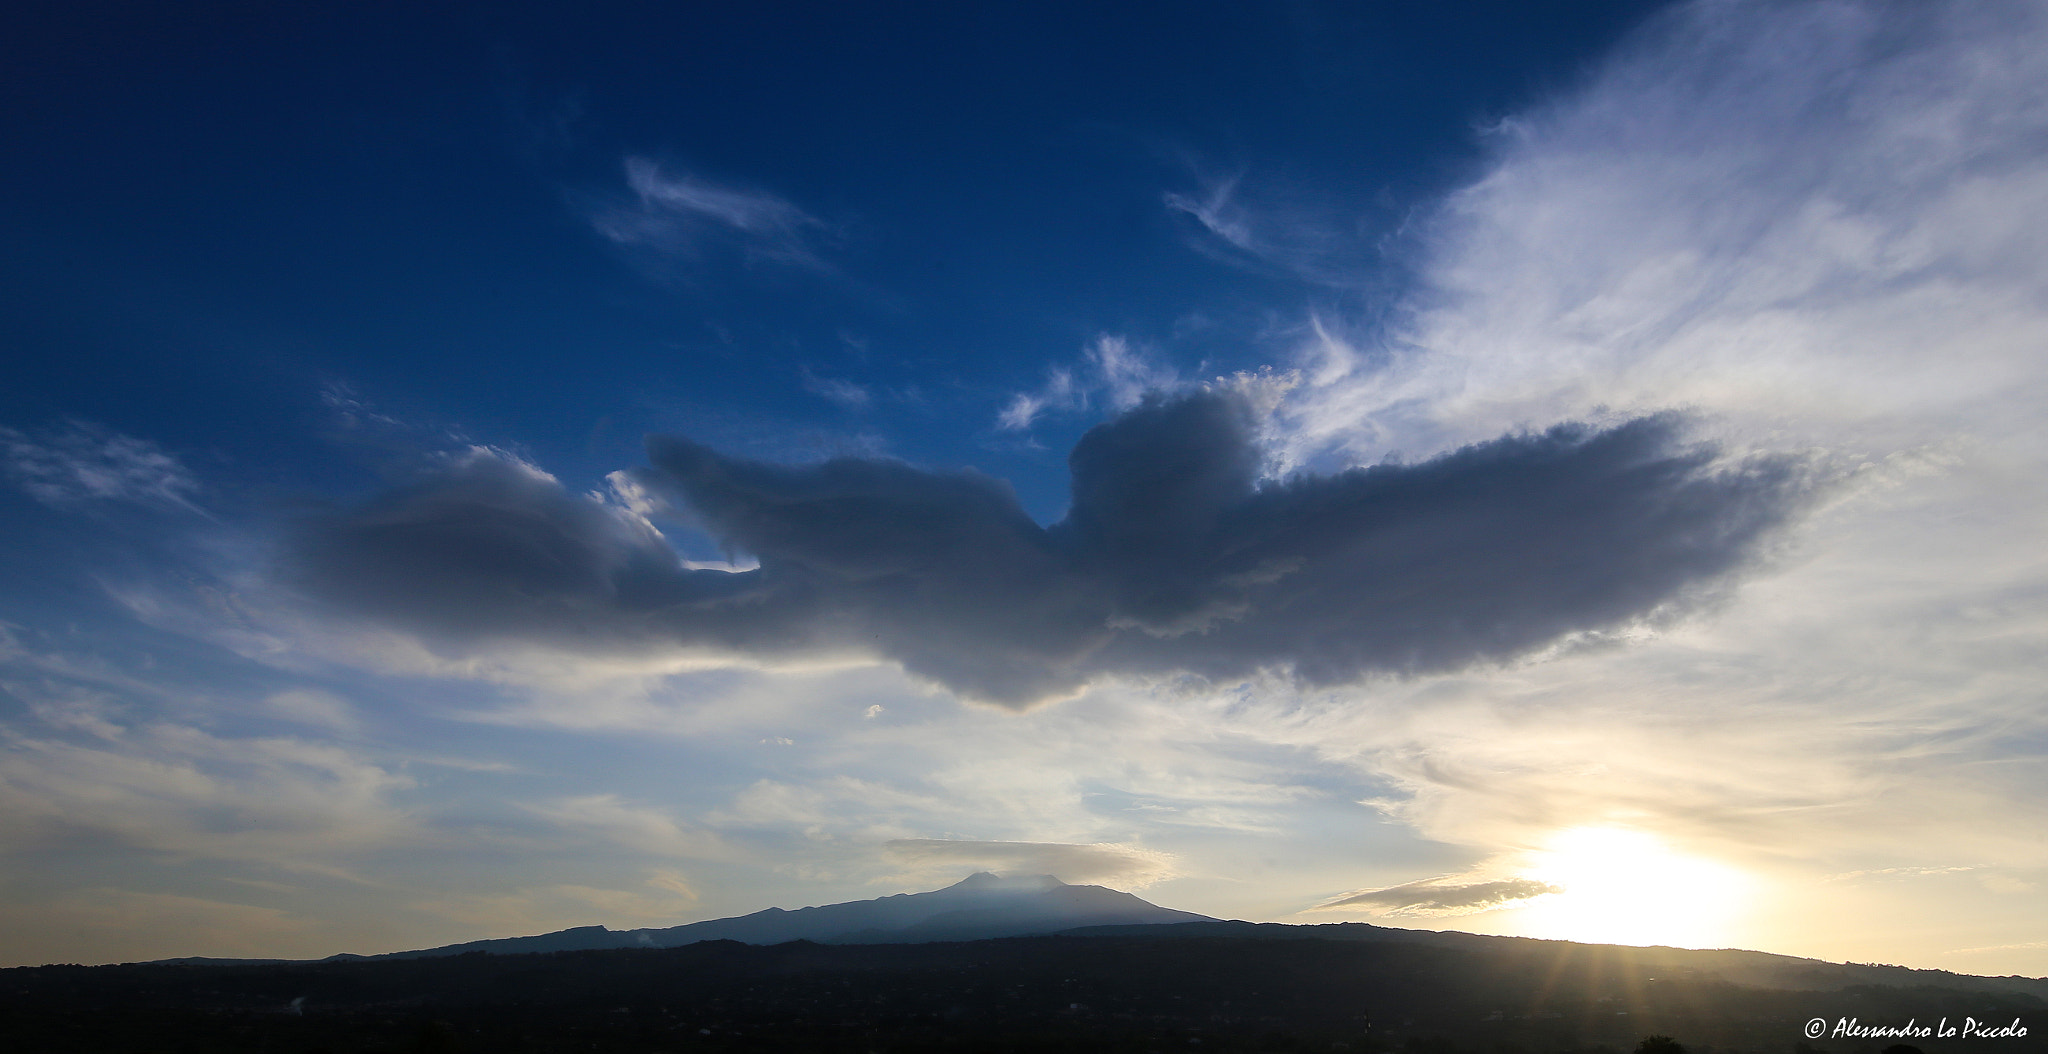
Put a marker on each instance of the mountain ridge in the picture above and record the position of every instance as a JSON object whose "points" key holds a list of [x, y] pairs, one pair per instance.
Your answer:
{"points": [[986, 906], [982, 906], [1761, 969]]}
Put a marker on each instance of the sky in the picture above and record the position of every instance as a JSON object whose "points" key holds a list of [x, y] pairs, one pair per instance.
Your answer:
{"points": [[1567, 470]]}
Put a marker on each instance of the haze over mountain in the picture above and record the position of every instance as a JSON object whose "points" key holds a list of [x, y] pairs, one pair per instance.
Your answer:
{"points": [[979, 907]]}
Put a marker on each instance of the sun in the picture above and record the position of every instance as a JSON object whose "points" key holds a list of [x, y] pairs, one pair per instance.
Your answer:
{"points": [[1622, 886]]}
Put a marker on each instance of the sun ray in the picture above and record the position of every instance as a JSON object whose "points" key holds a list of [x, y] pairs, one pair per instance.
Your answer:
{"points": [[1625, 886]]}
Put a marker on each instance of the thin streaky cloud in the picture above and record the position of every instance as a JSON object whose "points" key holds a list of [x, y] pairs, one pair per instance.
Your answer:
{"points": [[837, 390], [80, 463], [1441, 897], [683, 214], [754, 212], [1218, 214], [1273, 228]]}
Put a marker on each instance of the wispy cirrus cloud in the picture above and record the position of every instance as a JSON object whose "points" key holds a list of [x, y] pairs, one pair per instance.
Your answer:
{"points": [[1218, 213], [1812, 220], [683, 214], [81, 463], [163, 787], [837, 390], [1275, 230]]}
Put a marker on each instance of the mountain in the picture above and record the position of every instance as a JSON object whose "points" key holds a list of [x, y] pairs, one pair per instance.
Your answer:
{"points": [[986, 906], [979, 907]]}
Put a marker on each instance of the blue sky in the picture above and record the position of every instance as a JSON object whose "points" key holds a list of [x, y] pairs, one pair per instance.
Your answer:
{"points": [[1395, 462]]}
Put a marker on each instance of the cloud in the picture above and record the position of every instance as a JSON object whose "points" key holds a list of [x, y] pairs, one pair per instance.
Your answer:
{"points": [[1112, 372], [682, 214], [176, 789], [837, 390], [310, 706], [486, 544], [1813, 220], [635, 827], [1439, 897], [1217, 213], [1174, 559], [82, 463], [1272, 228], [1812, 224], [1809, 222], [1127, 866]]}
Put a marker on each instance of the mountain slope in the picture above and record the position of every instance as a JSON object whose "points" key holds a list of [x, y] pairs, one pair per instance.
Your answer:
{"points": [[977, 908], [1762, 970]]}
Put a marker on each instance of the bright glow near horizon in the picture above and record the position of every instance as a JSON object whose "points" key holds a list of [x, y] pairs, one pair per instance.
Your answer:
{"points": [[1624, 886]]}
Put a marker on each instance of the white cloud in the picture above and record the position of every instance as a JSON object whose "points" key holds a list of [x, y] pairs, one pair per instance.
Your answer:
{"points": [[837, 390], [679, 213], [1218, 214], [1112, 374], [1273, 227], [87, 463], [1815, 219]]}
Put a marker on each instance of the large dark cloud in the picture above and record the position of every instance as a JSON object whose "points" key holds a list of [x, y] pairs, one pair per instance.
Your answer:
{"points": [[485, 546], [1175, 557]]}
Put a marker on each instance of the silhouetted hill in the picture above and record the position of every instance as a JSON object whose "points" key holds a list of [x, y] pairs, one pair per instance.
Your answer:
{"points": [[977, 908], [1759, 969], [1263, 992]]}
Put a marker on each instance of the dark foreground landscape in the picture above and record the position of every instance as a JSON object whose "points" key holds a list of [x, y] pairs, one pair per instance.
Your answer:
{"points": [[1201, 986]]}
